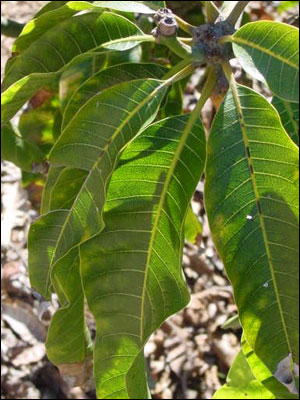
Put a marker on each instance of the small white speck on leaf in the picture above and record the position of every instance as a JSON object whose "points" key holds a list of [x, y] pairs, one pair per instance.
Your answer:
{"points": [[266, 284], [249, 217]]}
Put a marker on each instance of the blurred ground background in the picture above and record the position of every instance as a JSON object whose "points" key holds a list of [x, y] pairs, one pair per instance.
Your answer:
{"points": [[188, 357]]}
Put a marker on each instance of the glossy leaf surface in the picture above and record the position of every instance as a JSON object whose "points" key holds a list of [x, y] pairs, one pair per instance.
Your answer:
{"points": [[91, 142], [252, 199], [64, 45], [106, 78], [132, 271], [270, 51]]}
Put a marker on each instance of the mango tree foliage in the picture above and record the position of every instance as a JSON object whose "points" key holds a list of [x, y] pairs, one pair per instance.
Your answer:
{"points": [[121, 161], [269, 51], [252, 198], [140, 282]]}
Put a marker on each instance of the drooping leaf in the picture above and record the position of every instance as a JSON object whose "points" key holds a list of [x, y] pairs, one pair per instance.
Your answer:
{"points": [[64, 45], [132, 271], [289, 114], [251, 197], [269, 51], [22, 152], [106, 78], [92, 142], [192, 227], [241, 383], [263, 374], [68, 339]]}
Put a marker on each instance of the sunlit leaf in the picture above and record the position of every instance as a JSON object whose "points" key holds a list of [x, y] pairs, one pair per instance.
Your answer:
{"points": [[252, 200], [132, 271], [269, 51]]}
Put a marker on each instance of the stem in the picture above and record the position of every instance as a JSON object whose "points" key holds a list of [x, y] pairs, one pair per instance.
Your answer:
{"points": [[206, 91], [236, 12], [185, 26], [178, 67], [227, 71], [176, 46], [226, 39], [212, 12], [177, 76], [10, 28]]}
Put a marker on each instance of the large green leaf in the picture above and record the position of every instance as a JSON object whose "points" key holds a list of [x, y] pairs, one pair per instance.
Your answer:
{"points": [[109, 77], [252, 200], [66, 44], [51, 18], [132, 272], [241, 383], [263, 375], [92, 142], [289, 114], [22, 152], [270, 51]]}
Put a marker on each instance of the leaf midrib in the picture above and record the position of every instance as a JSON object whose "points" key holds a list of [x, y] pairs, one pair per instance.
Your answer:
{"points": [[105, 149], [260, 214], [239, 40], [160, 207]]}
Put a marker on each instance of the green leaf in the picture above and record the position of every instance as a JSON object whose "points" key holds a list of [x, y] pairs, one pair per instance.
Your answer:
{"points": [[64, 45], [52, 177], [285, 5], [269, 51], [132, 271], [92, 142], [50, 6], [71, 79], [68, 40], [106, 78], [22, 152], [37, 124], [251, 197], [232, 323], [263, 374], [174, 102], [289, 114], [68, 339], [192, 227], [46, 19], [241, 383]]}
